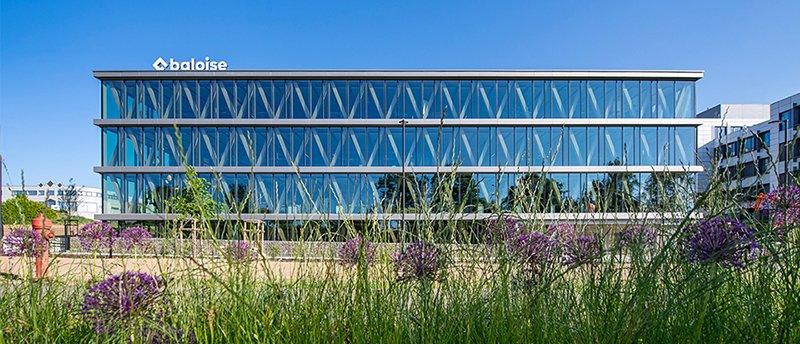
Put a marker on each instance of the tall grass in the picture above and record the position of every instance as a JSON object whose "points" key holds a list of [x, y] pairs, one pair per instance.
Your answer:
{"points": [[649, 295]]}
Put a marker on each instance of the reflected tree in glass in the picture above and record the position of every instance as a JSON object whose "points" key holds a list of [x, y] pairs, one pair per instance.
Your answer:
{"points": [[613, 193], [534, 193], [457, 193]]}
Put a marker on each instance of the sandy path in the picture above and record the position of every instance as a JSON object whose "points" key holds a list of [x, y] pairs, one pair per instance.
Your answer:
{"points": [[84, 268]]}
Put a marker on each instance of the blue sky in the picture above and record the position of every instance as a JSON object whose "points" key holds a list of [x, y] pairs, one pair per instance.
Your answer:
{"points": [[48, 49]]}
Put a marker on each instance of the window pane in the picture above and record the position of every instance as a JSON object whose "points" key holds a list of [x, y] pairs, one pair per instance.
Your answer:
{"points": [[110, 146], [375, 98], [666, 99], [131, 195], [577, 145], [649, 146], [394, 100], [684, 103], [245, 146], [152, 198], [557, 146], [505, 146], [611, 110], [595, 96], [112, 193], [521, 136], [112, 99], [337, 99], [168, 95], [559, 95], [319, 147], [503, 102], [522, 94], [487, 147], [131, 99], [301, 98], [686, 146], [263, 99], [665, 155], [132, 146], [541, 146], [188, 99], [265, 144], [207, 152], [225, 101], [468, 145], [538, 107], [613, 145], [152, 99], [208, 96], [592, 138], [647, 95], [150, 147], [575, 99], [630, 99], [631, 146]]}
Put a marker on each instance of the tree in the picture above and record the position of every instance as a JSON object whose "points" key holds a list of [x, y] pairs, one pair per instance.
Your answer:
{"points": [[70, 199], [21, 210], [194, 199]]}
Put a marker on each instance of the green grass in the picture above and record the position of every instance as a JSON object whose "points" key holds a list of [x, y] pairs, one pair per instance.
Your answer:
{"points": [[660, 299], [646, 297]]}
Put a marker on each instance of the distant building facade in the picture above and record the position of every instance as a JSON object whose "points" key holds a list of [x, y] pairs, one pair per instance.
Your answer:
{"points": [[88, 201], [759, 147]]}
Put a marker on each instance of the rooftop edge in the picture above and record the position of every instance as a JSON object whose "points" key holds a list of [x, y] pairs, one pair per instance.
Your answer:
{"points": [[402, 74]]}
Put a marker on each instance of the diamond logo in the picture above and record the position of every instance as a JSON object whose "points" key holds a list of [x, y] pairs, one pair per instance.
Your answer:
{"points": [[160, 64]]}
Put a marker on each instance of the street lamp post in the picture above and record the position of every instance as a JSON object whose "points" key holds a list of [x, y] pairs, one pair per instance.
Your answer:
{"points": [[403, 176]]}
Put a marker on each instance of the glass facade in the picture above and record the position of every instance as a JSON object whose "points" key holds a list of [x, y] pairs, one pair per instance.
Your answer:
{"points": [[382, 146], [375, 133], [375, 99]]}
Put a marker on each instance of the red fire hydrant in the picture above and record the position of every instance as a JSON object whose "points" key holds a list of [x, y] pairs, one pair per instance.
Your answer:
{"points": [[42, 226]]}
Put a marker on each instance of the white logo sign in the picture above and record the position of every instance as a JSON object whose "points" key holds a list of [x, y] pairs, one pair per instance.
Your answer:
{"points": [[192, 64]]}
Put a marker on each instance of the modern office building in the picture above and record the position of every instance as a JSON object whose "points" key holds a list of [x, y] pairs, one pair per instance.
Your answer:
{"points": [[755, 157], [361, 144]]}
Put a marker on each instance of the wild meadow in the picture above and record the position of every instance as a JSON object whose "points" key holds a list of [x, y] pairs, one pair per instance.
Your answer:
{"points": [[708, 270]]}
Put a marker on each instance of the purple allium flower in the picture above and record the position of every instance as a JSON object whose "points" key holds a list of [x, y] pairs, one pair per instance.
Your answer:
{"points": [[350, 253], [784, 204], [534, 248], [536, 252], [502, 231], [581, 249], [725, 241], [561, 232], [22, 242], [97, 235], [637, 236], [134, 238], [241, 252], [119, 299], [421, 261]]}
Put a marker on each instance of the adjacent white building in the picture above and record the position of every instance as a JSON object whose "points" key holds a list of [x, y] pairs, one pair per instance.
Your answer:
{"points": [[746, 144], [89, 200]]}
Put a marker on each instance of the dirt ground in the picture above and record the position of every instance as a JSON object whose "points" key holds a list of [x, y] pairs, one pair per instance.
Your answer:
{"points": [[86, 268]]}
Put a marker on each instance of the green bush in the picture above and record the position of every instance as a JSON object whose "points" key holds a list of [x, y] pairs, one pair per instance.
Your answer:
{"points": [[21, 210]]}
